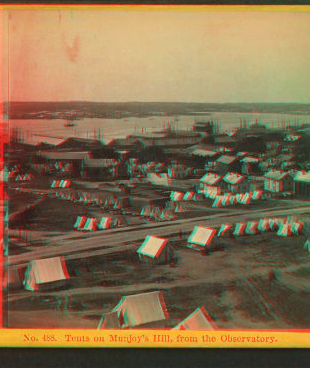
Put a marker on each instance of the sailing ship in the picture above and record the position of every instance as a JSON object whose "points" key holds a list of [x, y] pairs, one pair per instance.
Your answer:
{"points": [[70, 123]]}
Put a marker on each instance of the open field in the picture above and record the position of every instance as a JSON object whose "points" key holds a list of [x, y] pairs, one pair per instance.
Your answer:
{"points": [[254, 282]]}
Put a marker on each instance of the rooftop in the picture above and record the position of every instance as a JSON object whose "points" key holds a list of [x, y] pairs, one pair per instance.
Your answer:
{"points": [[303, 177], [225, 159], [65, 155], [100, 162], [233, 178], [204, 153], [251, 159], [276, 174], [211, 178]]}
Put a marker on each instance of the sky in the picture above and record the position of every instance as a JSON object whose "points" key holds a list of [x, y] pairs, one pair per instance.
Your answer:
{"points": [[169, 55]]}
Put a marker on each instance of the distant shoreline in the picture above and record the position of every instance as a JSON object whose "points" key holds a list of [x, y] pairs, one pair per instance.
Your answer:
{"points": [[81, 110]]}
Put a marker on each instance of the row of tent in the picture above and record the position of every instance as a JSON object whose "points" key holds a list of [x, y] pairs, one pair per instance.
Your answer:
{"points": [[187, 196], [282, 226], [92, 224], [219, 200], [203, 236], [61, 184], [158, 250], [242, 198], [159, 213], [24, 177], [140, 309], [84, 197]]}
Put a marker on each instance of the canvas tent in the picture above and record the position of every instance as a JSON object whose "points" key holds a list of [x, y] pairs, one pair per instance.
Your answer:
{"points": [[146, 211], [198, 320], [284, 229], [214, 193], [111, 320], [296, 227], [167, 214], [239, 229], [91, 224], [257, 194], [224, 231], [217, 202], [188, 196], [138, 309], [12, 278], [117, 222], [156, 213], [176, 196], [155, 250], [273, 224], [263, 225], [246, 198], [43, 272], [179, 208], [105, 223], [80, 222], [201, 238], [252, 228]]}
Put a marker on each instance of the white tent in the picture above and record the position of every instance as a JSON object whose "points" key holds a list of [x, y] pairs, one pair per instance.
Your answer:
{"points": [[105, 223], [273, 224], [155, 250], [224, 230], [296, 227], [146, 211], [117, 221], [111, 320], [284, 229], [188, 196], [217, 202], [252, 228], [201, 237], [12, 278], [139, 309], [176, 196], [263, 225], [257, 194], [91, 224], [77, 222], [198, 320], [246, 198], [179, 208], [239, 229], [156, 213], [167, 214], [45, 271], [80, 222]]}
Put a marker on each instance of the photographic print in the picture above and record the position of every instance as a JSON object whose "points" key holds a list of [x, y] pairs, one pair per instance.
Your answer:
{"points": [[155, 176]]}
